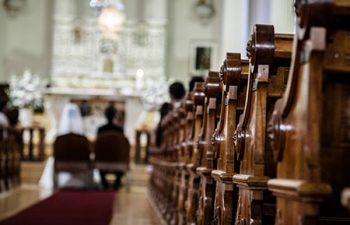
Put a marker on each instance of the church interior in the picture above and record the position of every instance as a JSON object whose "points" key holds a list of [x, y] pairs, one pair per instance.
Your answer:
{"points": [[174, 112]]}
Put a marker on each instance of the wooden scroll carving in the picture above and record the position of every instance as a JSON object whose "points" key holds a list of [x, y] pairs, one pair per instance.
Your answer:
{"points": [[224, 204], [10, 156], [213, 88], [309, 129], [186, 116], [170, 164], [269, 56], [191, 203]]}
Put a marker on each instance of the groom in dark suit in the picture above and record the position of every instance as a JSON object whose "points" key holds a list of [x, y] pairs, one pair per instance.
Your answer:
{"points": [[112, 125]]}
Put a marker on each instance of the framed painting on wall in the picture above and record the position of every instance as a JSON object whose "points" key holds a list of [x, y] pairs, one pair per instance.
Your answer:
{"points": [[202, 55]]}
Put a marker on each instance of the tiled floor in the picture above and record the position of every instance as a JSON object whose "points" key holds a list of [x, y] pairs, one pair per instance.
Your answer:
{"points": [[132, 206], [20, 198]]}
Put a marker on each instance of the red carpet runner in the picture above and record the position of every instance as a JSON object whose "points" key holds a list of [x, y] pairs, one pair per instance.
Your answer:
{"points": [[68, 208]]}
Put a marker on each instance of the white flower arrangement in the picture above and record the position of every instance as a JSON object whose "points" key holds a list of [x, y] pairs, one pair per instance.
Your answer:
{"points": [[26, 91], [155, 95]]}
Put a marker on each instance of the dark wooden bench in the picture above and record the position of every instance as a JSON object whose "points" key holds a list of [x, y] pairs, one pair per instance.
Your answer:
{"points": [[269, 55], [234, 76], [309, 128], [213, 93], [193, 150]]}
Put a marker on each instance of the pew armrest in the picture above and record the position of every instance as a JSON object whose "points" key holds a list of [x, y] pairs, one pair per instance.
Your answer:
{"points": [[299, 189], [72, 166], [112, 166], [204, 171], [222, 176], [181, 165], [251, 181]]}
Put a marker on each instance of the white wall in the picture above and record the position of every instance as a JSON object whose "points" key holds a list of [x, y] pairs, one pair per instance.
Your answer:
{"points": [[234, 27], [27, 39], [2, 44], [282, 16], [183, 28], [259, 13], [149, 10], [240, 16]]}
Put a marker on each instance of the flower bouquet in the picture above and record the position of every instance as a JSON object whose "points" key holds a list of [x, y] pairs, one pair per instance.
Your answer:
{"points": [[26, 91], [26, 94]]}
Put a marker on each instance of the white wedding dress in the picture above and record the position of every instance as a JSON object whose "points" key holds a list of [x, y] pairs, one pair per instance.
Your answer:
{"points": [[71, 122]]}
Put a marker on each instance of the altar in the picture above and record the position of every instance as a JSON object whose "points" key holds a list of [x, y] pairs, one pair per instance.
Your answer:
{"points": [[91, 67], [129, 106]]}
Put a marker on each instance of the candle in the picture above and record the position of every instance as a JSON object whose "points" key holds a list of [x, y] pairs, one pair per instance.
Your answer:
{"points": [[139, 79]]}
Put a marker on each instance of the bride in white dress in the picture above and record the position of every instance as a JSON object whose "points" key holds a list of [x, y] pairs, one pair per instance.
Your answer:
{"points": [[71, 122]]}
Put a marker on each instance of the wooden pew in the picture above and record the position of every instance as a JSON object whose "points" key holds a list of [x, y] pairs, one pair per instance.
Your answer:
{"points": [[234, 75], [171, 164], [14, 151], [187, 146], [269, 56], [213, 91], [309, 128], [180, 130], [191, 203], [161, 188], [2, 159], [10, 142]]}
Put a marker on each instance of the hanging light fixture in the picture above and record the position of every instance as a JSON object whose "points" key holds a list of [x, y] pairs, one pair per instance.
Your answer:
{"points": [[13, 7], [111, 20], [205, 10], [110, 16]]}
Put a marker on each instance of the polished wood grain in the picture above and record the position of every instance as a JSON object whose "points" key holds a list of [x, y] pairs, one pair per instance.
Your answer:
{"points": [[10, 155], [213, 91], [191, 203], [187, 146], [269, 56], [309, 127], [225, 197]]}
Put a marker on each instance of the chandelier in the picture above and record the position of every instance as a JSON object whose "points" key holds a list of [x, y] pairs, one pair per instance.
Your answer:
{"points": [[205, 10], [110, 16]]}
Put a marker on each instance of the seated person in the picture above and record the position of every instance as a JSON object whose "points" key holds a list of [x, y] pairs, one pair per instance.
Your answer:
{"points": [[71, 120], [164, 110], [3, 101], [194, 80], [111, 126], [177, 93]]}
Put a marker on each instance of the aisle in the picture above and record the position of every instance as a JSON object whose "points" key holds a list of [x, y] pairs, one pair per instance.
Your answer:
{"points": [[134, 208], [70, 207], [131, 207]]}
